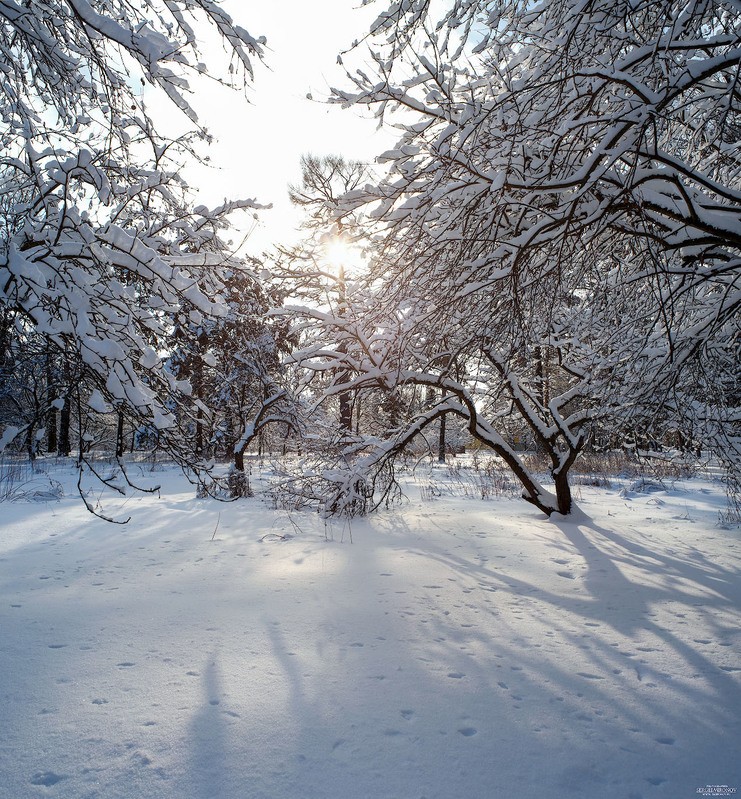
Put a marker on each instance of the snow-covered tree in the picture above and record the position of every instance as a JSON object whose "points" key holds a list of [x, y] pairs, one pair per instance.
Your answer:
{"points": [[561, 223], [100, 247], [235, 368], [317, 267]]}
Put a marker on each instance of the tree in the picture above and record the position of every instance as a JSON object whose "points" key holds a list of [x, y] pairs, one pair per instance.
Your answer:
{"points": [[561, 216], [100, 248], [235, 369], [316, 267]]}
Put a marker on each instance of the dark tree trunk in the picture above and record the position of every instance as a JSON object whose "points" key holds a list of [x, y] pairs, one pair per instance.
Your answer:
{"points": [[51, 430], [64, 446], [345, 409], [81, 448], [239, 460], [441, 441], [120, 436], [563, 492], [199, 432], [238, 479], [541, 376], [31, 442], [51, 414]]}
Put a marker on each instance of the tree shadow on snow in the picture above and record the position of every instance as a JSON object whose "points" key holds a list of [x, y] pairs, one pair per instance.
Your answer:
{"points": [[613, 583], [208, 761]]}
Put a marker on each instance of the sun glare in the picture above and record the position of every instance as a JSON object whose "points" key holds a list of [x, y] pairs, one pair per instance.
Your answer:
{"points": [[339, 253]]}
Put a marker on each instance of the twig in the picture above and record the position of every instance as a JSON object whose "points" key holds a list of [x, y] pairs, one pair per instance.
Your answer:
{"points": [[91, 508]]}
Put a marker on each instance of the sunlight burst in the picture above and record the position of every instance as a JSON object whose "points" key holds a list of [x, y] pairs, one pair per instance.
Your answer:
{"points": [[340, 253]]}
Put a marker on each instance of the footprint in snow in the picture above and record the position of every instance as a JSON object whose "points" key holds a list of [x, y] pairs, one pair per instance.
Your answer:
{"points": [[47, 778], [456, 675], [468, 732], [407, 714]]}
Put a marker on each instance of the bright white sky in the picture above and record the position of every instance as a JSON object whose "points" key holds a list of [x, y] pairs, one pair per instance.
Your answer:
{"points": [[259, 145]]}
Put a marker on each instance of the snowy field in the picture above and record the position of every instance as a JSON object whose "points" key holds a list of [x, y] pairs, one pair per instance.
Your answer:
{"points": [[450, 648]]}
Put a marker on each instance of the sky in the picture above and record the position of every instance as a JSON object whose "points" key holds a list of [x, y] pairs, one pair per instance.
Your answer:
{"points": [[259, 145]]}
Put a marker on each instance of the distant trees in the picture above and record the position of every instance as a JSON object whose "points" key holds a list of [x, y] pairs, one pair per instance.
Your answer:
{"points": [[234, 367], [558, 236], [101, 251]]}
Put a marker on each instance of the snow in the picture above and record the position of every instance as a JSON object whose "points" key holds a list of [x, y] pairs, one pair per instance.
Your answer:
{"points": [[447, 648], [8, 435], [97, 403]]}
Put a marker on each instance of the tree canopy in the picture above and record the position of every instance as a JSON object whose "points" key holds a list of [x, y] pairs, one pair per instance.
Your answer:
{"points": [[102, 251], [554, 246], [560, 224]]}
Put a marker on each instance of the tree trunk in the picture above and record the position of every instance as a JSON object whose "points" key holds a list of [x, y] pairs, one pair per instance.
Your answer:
{"points": [[345, 398], [31, 442], [64, 446], [81, 447], [541, 376], [345, 409], [239, 460], [199, 433], [563, 492], [238, 479], [441, 441], [120, 435], [51, 430], [51, 414]]}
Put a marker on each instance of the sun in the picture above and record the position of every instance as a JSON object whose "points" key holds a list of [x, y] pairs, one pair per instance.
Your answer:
{"points": [[341, 253], [338, 252]]}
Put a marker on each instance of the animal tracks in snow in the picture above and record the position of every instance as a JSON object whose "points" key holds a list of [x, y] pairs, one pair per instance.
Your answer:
{"points": [[47, 778], [417, 652]]}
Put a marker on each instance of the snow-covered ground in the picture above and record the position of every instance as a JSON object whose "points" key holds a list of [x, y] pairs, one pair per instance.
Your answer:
{"points": [[453, 649]]}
